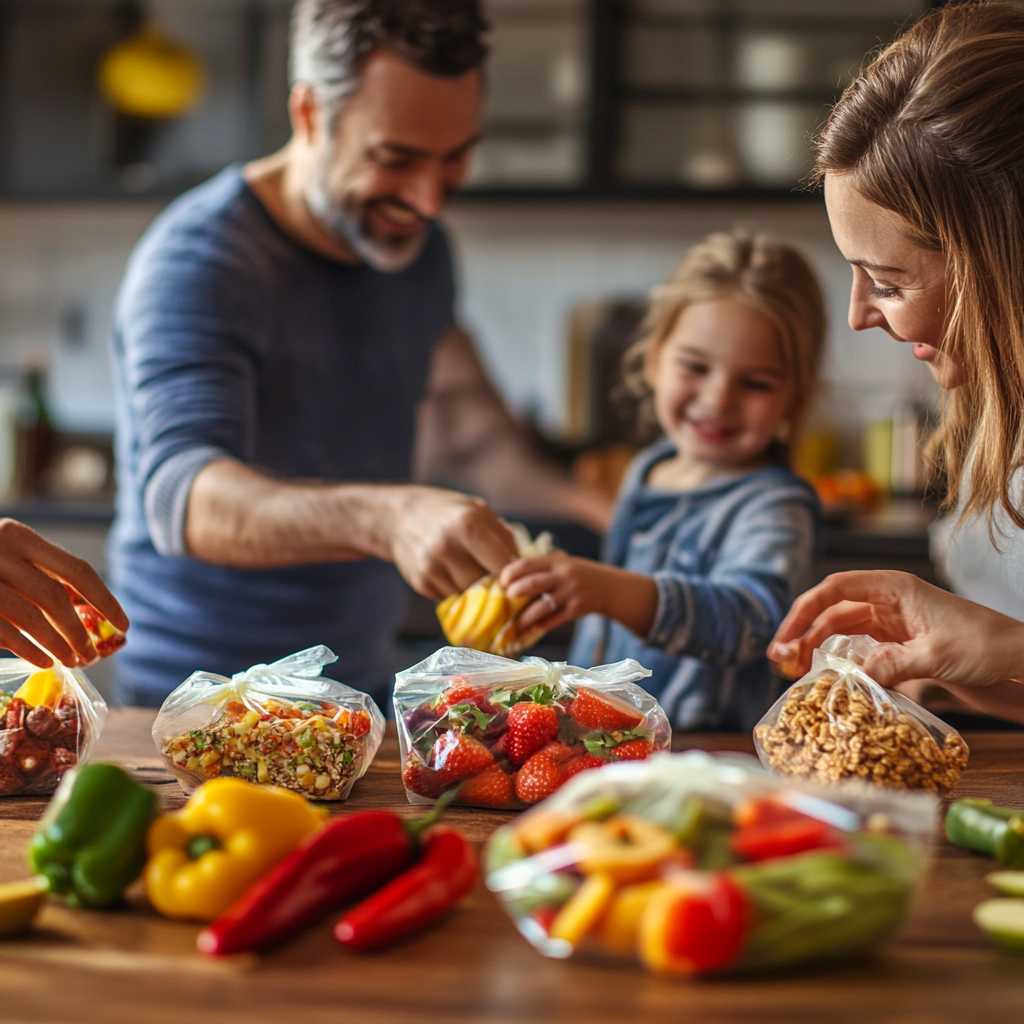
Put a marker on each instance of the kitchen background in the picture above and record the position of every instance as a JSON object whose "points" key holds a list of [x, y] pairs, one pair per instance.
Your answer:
{"points": [[618, 133]]}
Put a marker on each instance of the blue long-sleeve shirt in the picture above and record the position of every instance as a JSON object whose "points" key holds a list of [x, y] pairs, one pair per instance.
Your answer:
{"points": [[728, 559], [232, 340]]}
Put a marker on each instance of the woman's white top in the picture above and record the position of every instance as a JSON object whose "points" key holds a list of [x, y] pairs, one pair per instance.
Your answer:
{"points": [[987, 570]]}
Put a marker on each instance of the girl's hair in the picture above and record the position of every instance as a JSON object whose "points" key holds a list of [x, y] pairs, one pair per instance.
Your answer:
{"points": [[768, 276], [933, 130]]}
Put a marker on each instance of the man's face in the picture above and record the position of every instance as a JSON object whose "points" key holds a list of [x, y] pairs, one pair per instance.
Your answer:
{"points": [[400, 149]]}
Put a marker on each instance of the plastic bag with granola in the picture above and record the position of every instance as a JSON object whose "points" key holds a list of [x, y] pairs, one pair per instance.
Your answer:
{"points": [[837, 723]]}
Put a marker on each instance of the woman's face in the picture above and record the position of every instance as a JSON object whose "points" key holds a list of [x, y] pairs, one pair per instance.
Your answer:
{"points": [[897, 285]]}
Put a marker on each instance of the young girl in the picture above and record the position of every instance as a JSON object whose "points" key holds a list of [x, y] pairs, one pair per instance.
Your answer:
{"points": [[714, 535]]}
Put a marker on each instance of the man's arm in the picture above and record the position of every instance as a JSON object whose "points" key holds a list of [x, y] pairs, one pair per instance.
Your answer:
{"points": [[440, 541], [467, 438]]}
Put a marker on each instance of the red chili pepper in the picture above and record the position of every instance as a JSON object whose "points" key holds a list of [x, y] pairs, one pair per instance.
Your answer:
{"points": [[783, 838], [348, 858], [444, 874]]}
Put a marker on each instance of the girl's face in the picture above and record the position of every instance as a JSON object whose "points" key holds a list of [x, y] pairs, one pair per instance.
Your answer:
{"points": [[897, 285], [720, 384]]}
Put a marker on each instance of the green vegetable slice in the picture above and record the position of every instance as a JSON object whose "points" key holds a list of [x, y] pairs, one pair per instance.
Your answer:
{"points": [[1009, 883], [1003, 922]]}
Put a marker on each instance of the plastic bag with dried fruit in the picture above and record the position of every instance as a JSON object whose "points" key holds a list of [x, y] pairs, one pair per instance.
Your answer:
{"points": [[509, 733], [838, 723], [282, 724], [483, 618], [704, 864], [50, 719]]}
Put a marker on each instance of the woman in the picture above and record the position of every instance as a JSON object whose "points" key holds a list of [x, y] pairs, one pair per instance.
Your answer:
{"points": [[33, 600], [923, 167]]}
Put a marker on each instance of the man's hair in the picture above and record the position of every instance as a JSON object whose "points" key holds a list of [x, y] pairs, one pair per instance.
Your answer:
{"points": [[333, 39], [770, 277], [933, 131]]}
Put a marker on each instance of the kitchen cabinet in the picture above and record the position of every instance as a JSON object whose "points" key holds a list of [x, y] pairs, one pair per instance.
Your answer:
{"points": [[587, 99]]}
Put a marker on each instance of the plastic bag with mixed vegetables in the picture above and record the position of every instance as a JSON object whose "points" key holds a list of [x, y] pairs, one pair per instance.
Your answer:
{"points": [[281, 724], [50, 720], [838, 723], [509, 733], [699, 863]]}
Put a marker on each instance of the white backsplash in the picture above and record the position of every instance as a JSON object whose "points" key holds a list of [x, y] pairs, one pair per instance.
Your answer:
{"points": [[522, 268]]}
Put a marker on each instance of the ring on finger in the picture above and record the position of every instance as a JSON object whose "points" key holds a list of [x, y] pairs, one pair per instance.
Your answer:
{"points": [[550, 602]]}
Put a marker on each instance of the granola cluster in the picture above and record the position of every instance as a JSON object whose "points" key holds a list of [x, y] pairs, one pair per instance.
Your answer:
{"points": [[314, 748], [829, 732]]}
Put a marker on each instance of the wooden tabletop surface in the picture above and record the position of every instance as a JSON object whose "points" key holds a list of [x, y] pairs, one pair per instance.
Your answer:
{"points": [[130, 965]]}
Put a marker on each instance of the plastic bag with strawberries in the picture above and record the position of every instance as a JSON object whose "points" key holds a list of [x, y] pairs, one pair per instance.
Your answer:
{"points": [[281, 724], [50, 720], [509, 733]]}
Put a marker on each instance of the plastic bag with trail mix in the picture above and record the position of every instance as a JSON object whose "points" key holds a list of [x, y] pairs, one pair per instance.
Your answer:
{"points": [[509, 733], [50, 720], [837, 723], [282, 724]]}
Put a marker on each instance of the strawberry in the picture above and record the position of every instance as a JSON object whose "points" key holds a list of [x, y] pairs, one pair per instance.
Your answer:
{"points": [[631, 750], [537, 779], [458, 692], [491, 788], [581, 764], [559, 752], [604, 713], [458, 757], [420, 779], [530, 726]]}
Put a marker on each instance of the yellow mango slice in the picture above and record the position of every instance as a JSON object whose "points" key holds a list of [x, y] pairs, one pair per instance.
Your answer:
{"points": [[622, 922], [583, 910], [41, 688], [19, 904]]}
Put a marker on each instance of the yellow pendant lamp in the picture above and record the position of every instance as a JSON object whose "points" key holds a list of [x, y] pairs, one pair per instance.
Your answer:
{"points": [[151, 75]]}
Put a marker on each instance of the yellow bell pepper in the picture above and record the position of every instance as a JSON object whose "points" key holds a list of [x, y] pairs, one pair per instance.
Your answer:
{"points": [[229, 834], [43, 687]]}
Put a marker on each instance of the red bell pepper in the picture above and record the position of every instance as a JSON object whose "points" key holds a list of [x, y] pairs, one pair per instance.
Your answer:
{"points": [[783, 838], [696, 925], [348, 858], [444, 874]]}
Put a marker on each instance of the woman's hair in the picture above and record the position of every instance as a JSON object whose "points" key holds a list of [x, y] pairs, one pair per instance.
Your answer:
{"points": [[770, 277], [933, 130]]}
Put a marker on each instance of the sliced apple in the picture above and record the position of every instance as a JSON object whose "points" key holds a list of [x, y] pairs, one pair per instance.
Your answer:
{"points": [[1009, 883], [19, 904], [1003, 922]]}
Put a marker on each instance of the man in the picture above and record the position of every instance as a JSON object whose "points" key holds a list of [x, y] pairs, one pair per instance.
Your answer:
{"points": [[275, 333]]}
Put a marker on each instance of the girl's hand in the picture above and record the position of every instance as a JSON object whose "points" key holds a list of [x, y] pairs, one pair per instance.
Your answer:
{"points": [[34, 601], [566, 588], [927, 633]]}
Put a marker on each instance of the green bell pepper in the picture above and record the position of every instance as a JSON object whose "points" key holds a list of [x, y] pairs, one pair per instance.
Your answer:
{"points": [[980, 826], [91, 842]]}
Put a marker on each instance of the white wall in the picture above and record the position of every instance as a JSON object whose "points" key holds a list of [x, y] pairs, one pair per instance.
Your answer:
{"points": [[522, 268]]}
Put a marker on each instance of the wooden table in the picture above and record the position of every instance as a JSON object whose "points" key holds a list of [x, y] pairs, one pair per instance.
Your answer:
{"points": [[131, 965]]}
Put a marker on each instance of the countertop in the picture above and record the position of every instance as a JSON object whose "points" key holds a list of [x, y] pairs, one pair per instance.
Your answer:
{"points": [[130, 965]]}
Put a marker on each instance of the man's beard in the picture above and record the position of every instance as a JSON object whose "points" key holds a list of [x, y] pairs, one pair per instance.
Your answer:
{"points": [[349, 223]]}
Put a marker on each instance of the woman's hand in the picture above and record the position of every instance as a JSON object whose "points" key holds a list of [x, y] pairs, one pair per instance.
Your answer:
{"points": [[927, 633], [33, 599], [567, 588]]}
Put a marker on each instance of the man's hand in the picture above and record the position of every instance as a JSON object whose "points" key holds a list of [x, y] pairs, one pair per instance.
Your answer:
{"points": [[442, 541], [33, 599], [926, 632], [567, 588]]}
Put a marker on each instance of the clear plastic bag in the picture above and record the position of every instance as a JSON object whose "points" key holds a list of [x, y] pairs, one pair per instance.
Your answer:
{"points": [[838, 723], [281, 724], [700, 864], [510, 732], [51, 720], [483, 618]]}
